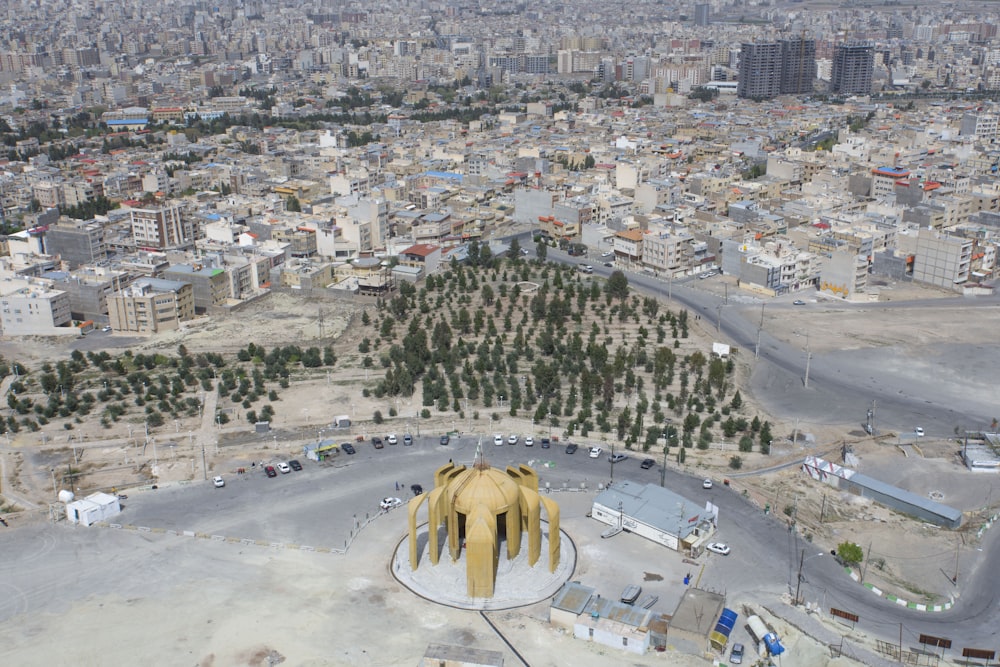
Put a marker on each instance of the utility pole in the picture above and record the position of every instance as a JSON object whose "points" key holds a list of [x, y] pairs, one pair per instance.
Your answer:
{"points": [[808, 359], [663, 468], [822, 509], [204, 466], [798, 583], [718, 320], [864, 570], [958, 546], [760, 328]]}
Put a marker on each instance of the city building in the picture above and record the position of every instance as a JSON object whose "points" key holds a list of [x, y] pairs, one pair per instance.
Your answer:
{"points": [[942, 259], [798, 66], [853, 65], [760, 71], [31, 308], [150, 305]]}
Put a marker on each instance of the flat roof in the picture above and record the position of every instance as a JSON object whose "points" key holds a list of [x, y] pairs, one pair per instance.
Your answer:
{"points": [[654, 506]]}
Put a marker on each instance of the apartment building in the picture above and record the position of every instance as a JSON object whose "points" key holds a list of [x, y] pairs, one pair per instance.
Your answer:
{"points": [[942, 260], [162, 227], [210, 284], [853, 66], [151, 305], [77, 242], [32, 309]]}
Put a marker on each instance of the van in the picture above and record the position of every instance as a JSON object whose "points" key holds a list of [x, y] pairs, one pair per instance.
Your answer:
{"points": [[631, 593]]}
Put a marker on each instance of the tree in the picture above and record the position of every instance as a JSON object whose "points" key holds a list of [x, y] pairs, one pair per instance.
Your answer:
{"points": [[737, 401], [735, 462], [292, 204], [850, 553], [515, 249], [618, 285], [541, 250]]}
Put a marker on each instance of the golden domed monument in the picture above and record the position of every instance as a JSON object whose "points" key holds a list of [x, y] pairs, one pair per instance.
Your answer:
{"points": [[481, 508]]}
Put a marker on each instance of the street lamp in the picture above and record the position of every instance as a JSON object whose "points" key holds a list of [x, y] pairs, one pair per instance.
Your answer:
{"points": [[798, 583], [663, 468]]}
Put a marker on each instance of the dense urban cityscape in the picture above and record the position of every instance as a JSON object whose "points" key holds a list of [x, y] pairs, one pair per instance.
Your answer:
{"points": [[292, 168]]}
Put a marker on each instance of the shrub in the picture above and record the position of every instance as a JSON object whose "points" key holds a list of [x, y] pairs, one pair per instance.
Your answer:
{"points": [[377, 417], [850, 553], [735, 462]]}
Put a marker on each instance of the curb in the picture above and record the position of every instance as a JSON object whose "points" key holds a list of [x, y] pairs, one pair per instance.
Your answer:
{"points": [[917, 606]]}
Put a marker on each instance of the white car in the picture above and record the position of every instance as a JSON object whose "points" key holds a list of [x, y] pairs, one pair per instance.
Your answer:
{"points": [[706, 484], [919, 430], [719, 548], [391, 439], [218, 482], [389, 503], [512, 439], [497, 439], [595, 452], [529, 441], [607, 254], [283, 467]]}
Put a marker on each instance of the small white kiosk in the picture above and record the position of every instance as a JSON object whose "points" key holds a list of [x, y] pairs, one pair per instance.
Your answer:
{"points": [[95, 507]]}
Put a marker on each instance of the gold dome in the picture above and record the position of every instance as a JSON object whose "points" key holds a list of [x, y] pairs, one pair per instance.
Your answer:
{"points": [[483, 486]]}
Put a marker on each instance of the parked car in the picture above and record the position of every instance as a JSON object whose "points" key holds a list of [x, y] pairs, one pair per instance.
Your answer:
{"points": [[497, 439], [719, 548], [706, 484], [218, 482], [391, 439], [389, 503], [546, 443], [571, 448], [445, 439], [736, 655], [919, 430], [529, 441], [377, 442], [270, 471], [512, 439], [647, 464], [615, 458], [609, 264], [417, 489], [283, 467], [295, 465], [595, 452], [105, 329], [347, 448], [407, 439]]}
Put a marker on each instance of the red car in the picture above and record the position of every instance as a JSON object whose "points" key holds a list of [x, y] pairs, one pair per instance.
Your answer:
{"points": [[270, 471]]}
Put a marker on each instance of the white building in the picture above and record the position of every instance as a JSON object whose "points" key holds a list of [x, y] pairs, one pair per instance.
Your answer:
{"points": [[95, 507], [657, 514]]}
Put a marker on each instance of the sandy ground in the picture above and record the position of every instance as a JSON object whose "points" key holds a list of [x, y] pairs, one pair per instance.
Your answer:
{"points": [[255, 606]]}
